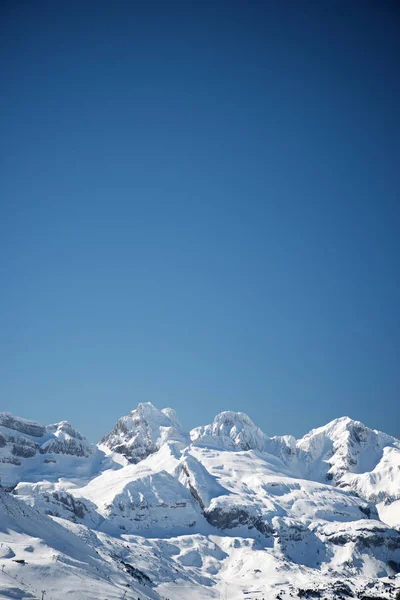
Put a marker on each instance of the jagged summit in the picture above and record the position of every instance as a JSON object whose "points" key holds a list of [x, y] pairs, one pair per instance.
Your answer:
{"points": [[143, 432], [226, 509], [343, 453]]}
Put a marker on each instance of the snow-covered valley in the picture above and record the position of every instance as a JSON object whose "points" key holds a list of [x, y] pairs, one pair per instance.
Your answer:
{"points": [[221, 512]]}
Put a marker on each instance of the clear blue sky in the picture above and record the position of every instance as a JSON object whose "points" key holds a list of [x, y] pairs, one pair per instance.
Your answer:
{"points": [[200, 208]]}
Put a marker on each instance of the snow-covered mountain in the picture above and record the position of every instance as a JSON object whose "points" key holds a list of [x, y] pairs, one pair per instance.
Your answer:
{"points": [[25, 439], [38, 554], [231, 431], [30, 451], [144, 431], [222, 512], [343, 446], [344, 453], [354, 457]]}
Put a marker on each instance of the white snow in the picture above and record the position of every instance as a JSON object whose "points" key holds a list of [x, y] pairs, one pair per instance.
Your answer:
{"points": [[230, 513], [144, 431]]}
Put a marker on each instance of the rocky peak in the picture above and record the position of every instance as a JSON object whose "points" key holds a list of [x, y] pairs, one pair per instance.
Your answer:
{"points": [[66, 440], [64, 429], [144, 431]]}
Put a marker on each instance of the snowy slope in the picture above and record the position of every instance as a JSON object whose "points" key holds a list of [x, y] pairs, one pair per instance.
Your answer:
{"points": [[144, 498], [229, 513], [251, 518], [56, 560], [344, 453]]}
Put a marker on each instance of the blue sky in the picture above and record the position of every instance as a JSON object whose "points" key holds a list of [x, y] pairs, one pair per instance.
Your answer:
{"points": [[200, 208]]}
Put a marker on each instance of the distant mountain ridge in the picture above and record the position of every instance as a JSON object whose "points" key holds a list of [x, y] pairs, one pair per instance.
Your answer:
{"points": [[344, 452], [196, 510]]}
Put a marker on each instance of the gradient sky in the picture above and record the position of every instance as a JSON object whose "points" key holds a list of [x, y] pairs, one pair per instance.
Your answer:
{"points": [[200, 208]]}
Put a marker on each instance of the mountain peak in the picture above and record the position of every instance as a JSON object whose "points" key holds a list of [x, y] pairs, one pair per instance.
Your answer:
{"points": [[341, 429], [343, 446], [232, 431], [143, 432], [66, 440]]}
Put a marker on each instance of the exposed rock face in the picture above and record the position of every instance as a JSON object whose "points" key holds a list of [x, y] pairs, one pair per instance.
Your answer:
{"points": [[76, 507], [66, 440], [363, 537], [22, 425], [143, 432], [53, 501], [226, 517], [24, 449], [27, 438], [23, 441]]}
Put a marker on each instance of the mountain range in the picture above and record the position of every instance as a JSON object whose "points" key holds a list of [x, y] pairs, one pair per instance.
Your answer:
{"points": [[222, 511]]}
